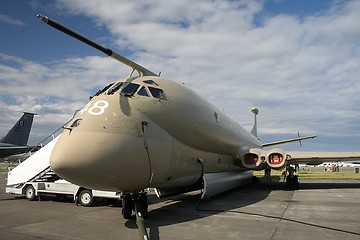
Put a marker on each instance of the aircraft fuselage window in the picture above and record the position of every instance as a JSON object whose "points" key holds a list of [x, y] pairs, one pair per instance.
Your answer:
{"points": [[76, 123], [143, 92], [130, 89], [151, 82], [157, 93], [114, 88]]}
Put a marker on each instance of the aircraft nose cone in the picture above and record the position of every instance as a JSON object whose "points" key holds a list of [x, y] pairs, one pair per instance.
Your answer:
{"points": [[71, 161], [101, 161]]}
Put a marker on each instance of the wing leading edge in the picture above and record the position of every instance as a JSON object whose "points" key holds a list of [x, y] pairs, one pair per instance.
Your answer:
{"points": [[321, 157], [287, 141]]}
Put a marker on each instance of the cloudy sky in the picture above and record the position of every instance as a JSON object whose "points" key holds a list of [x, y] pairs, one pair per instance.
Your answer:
{"points": [[297, 61]]}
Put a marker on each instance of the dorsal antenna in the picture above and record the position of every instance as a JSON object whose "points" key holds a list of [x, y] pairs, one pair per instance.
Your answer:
{"points": [[255, 111]]}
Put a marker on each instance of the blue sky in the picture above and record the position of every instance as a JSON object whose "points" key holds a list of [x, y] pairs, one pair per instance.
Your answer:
{"points": [[297, 61]]}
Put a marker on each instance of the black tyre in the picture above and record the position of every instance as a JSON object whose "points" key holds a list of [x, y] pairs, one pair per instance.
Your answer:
{"points": [[86, 198], [296, 182], [292, 182], [30, 193], [288, 182], [127, 206], [143, 205]]}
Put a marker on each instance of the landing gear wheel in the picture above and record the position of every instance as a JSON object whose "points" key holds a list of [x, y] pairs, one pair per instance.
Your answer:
{"points": [[85, 198], [127, 206], [143, 205], [30, 193]]}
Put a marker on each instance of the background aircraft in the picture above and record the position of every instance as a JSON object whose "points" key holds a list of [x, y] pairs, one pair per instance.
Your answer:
{"points": [[146, 131], [16, 139]]}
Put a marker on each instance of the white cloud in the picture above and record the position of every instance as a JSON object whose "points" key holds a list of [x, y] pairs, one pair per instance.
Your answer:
{"points": [[54, 91], [10, 20], [303, 73]]}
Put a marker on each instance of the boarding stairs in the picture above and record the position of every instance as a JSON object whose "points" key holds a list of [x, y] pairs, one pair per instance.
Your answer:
{"points": [[48, 175], [35, 167]]}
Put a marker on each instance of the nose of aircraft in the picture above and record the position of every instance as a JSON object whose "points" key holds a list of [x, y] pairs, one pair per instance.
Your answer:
{"points": [[101, 161]]}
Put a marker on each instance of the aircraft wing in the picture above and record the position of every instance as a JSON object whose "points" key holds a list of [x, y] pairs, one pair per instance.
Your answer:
{"points": [[8, 151], [288, 141], [314, 158]]}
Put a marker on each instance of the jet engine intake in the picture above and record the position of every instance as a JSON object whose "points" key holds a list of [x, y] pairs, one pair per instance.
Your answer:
{"points": [[276, 158], [253, 158], [257, 159]]}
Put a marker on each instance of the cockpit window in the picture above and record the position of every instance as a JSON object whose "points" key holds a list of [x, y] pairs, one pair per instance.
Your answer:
{"points": [[157, 93], [143, 92], [114, 88], [103, 90], [130, 89], [151, 82]]}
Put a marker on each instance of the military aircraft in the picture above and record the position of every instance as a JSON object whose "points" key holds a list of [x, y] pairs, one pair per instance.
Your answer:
{"points": [[15, 141], [147, 131]]}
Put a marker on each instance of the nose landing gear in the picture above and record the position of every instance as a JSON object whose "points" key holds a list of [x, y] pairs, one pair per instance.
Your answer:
{"points": [[131, 201], [138, 202]]}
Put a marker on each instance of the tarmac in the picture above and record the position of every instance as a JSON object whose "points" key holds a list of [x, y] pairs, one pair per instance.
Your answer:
{"points": [[319, 209]]}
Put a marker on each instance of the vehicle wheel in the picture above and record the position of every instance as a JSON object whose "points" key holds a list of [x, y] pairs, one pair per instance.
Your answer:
{"points": [[127, 206], [85, 198], [30, 193]]}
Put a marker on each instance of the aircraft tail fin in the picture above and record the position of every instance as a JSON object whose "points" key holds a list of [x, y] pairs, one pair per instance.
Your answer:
{"points": [[19, 133]]}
